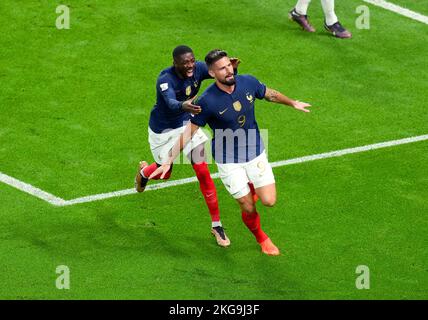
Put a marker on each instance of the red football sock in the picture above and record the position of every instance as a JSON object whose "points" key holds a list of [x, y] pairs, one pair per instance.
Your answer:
{"points": [[151, 168], [208, 189], [253, 192], [252, 221]]}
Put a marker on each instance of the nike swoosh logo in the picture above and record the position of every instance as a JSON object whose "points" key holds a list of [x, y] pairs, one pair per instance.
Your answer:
{"points": [[221, 112]]}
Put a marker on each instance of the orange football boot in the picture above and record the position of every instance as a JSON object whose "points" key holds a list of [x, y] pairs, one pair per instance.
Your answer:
{"points": [[269, 248]]}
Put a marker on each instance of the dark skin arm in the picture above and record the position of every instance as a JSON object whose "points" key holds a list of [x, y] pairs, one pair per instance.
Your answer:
{"points": [[235, 63], [188, 106]]}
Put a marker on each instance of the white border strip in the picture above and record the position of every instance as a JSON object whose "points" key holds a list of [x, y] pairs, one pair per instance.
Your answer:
{"points": [[126, 192], [27, 188], [326, 155], [400, 10]]}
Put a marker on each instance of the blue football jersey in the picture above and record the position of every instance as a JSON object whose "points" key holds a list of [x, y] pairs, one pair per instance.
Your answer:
{"points": [[171, 92], [236, 135]]}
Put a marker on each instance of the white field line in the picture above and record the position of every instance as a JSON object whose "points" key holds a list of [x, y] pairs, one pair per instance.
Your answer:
{"points": [[326, 155], [400, 10], [27, 188], [126, 192]]}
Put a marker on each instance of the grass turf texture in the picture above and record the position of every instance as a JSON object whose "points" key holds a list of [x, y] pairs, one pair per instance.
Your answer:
{"points": [[74, 107]]}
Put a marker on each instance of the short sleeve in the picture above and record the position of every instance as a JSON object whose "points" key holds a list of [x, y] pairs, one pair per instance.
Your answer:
{"points": [[259, 88]]}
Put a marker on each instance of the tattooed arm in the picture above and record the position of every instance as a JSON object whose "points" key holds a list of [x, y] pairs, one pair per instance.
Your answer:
{"points": [[277, 97]]}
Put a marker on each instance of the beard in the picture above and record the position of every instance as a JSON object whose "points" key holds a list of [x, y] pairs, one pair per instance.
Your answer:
{"points": [[229, 82]]}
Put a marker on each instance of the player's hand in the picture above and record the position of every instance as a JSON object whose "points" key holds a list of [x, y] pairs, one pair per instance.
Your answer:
{"points": [[299, 105], [235, 62], [188, 106], [162, 170]]}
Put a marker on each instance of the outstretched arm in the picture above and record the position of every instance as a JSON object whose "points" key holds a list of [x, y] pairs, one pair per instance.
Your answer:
{"points": [[179, 145], [277, 97], [188, 106], [167, 90]]}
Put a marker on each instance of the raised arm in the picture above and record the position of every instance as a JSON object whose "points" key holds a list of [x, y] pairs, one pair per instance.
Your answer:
{"points": [[277, 97], [179, 145]]}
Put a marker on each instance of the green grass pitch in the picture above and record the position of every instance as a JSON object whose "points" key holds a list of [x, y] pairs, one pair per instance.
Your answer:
{"points": [[74, 109]]}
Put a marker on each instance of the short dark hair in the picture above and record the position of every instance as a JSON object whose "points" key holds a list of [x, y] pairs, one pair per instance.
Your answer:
{"points": [[178, 51], [213, 56]]}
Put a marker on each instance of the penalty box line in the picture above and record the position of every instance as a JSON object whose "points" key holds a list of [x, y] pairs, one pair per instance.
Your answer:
{"points": [[400, 10], [56, 201]]}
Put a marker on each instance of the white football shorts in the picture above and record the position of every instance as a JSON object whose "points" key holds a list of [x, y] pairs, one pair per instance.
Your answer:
{"points": [[235, 176], [162, 143]]}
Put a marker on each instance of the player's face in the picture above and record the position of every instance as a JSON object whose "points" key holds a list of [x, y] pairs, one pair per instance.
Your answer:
{"points": [[223, 71], [185, 65]]}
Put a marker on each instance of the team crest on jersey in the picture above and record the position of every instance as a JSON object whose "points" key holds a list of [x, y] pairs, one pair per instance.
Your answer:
{"points": [[188, 90], [195, 84], [237, 106], [250, 97]]}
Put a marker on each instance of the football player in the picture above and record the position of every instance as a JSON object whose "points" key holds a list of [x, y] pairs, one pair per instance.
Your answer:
{"points": [[176, 88], [227, 106]]}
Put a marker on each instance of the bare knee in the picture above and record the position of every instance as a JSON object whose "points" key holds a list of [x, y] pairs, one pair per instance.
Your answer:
{"points": [[249, 207], [267, 195], [247, 204], [268, 201]]}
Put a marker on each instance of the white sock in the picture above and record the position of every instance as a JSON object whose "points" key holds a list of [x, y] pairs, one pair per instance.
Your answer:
{"points": [[328, 8], [302, 6], [216, 224]]}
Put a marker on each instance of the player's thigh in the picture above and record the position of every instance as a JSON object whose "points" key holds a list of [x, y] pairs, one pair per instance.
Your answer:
{"points": [[234, 178], [260, 173], [197, 155], [267, 194], [161, 143], [195, 149]]}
